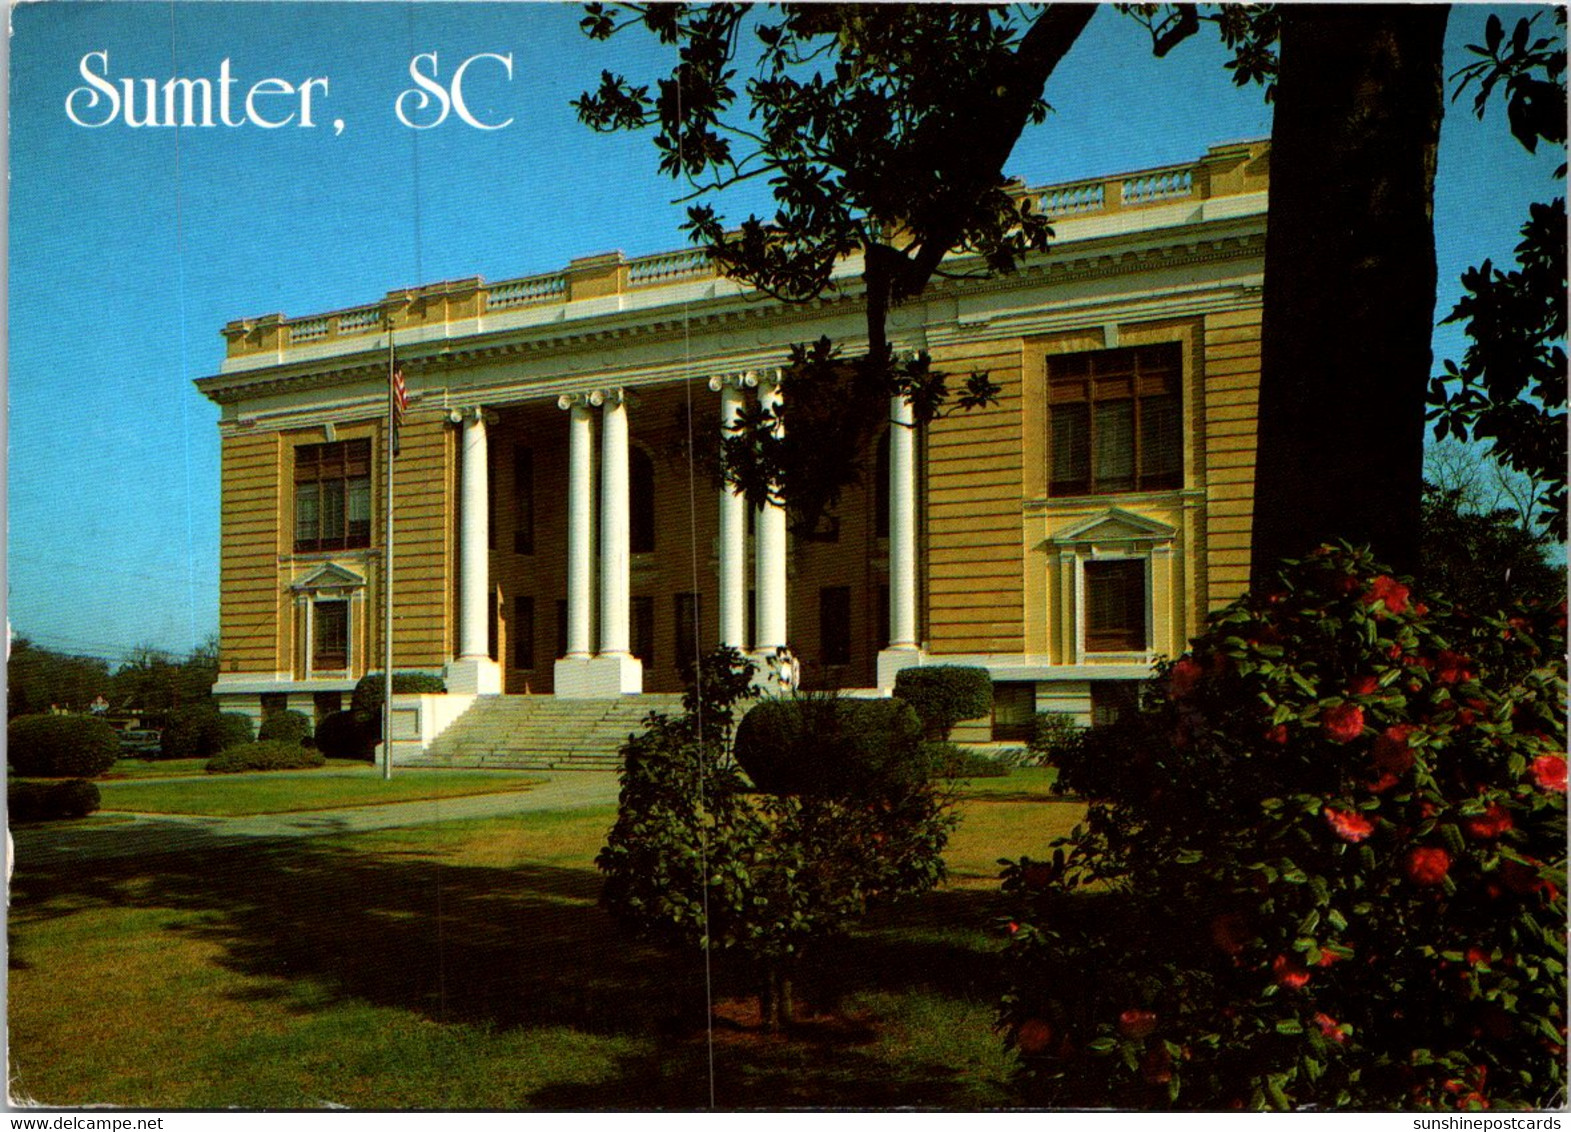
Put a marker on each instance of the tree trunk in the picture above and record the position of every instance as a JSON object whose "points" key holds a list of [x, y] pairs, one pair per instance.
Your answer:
{"points": [[1349, 282]]}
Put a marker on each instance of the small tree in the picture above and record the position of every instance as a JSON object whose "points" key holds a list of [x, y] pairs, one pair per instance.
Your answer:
{"points": [[698, 860]]}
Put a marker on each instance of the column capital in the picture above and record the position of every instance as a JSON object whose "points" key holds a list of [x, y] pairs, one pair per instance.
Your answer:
{"points": [[612, 395], [471, 414], [774, 375], [569, 400], [742, 379]]}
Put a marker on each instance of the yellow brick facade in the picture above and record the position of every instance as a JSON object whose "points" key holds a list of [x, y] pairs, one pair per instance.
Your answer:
{"points": [[1002, 563]]}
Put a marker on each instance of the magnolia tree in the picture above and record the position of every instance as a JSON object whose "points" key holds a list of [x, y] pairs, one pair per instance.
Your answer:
{"points": [[1324, 868]]}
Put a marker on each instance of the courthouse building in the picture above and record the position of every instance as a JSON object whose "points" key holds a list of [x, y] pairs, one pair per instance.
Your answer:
{"points": [[553, 539]]}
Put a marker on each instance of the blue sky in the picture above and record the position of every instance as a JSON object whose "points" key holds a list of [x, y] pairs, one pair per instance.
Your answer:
{"points": [[130, 248]]}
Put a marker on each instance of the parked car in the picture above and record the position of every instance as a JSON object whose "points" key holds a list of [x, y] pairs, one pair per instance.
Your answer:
{"points": [[141, 744]]}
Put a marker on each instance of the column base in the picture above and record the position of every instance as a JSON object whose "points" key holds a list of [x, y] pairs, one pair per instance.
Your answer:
{"points": [[599, 677], [891, 661], [474, 676]]}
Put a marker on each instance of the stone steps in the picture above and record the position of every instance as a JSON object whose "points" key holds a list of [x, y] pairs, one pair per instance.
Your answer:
{"points": [[543, 732]]}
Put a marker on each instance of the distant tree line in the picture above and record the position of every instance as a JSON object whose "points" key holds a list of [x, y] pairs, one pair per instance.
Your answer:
{"points": [[150, 683]]}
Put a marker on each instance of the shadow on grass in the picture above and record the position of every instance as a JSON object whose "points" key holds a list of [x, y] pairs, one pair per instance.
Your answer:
{"points": [[526, 946]]}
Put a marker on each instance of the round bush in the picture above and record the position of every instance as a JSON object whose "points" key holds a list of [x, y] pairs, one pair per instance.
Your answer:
{"points": [[830, 747], [945, 694], [270, 755], [49, 801], [61, 746], [1325, 870], [342, 736], [367, 699], [287, 727], [200, 731]]}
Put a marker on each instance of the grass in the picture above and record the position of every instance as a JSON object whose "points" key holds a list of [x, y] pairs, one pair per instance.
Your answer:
{"points": [[469, 965], [177, 768], [279, 792]]}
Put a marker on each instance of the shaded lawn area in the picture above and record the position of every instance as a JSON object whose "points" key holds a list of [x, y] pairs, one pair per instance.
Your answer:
{"points": [[469, 965], [278, 792]]}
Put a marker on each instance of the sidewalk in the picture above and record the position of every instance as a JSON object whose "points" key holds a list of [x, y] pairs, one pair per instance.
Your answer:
{"points": [[52, 844]]}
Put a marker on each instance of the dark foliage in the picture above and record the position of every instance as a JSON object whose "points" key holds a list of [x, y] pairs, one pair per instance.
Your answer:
{"points": [[287, 726], [366, 702], [271, 754], [945, 694], [60, 746], [1484, 561], [50, 801], [826, 746], [341, 735]]}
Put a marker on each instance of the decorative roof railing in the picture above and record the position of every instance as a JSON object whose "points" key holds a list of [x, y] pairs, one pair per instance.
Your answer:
{"points": [[1226, 170]]}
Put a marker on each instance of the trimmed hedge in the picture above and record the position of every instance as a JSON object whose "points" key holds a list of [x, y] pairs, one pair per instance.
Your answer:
{"points": [[61, 746], [367, 699], [342, 736], [950, 761], [287, 727], [200, 731], [50, 801], [269, 755], [944, 694], [829, 747]]}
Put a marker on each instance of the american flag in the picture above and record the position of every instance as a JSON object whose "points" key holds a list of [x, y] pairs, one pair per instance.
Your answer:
{"points": [[400, 403]]}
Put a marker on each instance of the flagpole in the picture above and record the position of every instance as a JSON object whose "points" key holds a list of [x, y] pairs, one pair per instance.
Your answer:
{"points": [[387, 571]]}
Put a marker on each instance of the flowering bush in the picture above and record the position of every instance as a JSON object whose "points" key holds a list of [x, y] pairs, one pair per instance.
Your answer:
{"points": [[1323, 866]]}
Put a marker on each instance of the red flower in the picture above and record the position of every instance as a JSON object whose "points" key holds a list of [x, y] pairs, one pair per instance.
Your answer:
{"points": [[1488, 825], [1477, 955], [1524, 879], [1391, 753], [1453, 668], [1182, 679], [1277, 734], [1328, 957], [1388, 590], [1033, 1036], [1331, 1028], [1137, 1023], [1230, 932], [1363, 686], [1549, 771], [1343, 723], [1349, 584], [1349, 825], [1289, 972], [1383, 783], [1427, 865]]}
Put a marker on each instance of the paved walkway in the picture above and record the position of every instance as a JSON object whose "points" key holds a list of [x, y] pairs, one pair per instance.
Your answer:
{"points": [[52, 844]]}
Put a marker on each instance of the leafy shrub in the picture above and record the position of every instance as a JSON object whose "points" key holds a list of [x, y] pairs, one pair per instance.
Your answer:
{"points": [[831, 747], [342, 736], [61, 746], [287, 727], [945, 694], [366, 702], [1326, 869], [271, 754], [50, 801], [950, 761], [200, 731], [1053, 733], [696, 861]]}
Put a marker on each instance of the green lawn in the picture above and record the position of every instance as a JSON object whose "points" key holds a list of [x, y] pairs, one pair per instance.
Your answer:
{"points": [[277, 792], [469, 965]]}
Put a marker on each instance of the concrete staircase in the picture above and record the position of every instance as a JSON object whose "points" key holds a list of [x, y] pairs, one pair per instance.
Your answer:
{"points": [[543, 732]]}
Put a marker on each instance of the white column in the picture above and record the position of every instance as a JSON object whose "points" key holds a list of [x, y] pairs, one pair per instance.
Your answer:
{"points": [[904, 650], [614, 671], [580, 523], [615, 534], [473, 672], [473, 552], [733, 526], [769, 567], [902, 524]]}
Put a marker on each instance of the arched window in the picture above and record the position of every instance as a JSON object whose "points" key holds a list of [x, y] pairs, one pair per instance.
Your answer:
{"points": [[641, 500]]}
